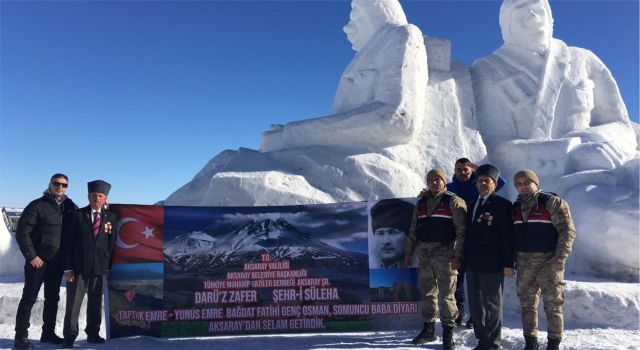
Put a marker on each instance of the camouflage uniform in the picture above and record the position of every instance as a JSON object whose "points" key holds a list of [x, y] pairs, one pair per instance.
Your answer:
{"points": [[436, 279], [539, 272]]}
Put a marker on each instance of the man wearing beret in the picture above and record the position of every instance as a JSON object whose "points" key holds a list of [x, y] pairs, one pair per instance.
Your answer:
{"points": [[488, 249], [463, 184], [437, 236], [543, 236], [390, 220], [89, 238]]}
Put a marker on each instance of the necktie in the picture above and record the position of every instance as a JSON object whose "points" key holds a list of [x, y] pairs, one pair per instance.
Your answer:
{"points": [[478, 211], [96, 223]]}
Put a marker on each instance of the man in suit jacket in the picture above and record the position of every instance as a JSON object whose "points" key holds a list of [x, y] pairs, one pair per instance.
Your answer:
{"points": [[488, 257], [88, 240]]}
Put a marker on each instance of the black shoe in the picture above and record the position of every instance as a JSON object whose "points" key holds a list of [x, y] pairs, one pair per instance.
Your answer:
{"points": [[427, 334], [51, 338], [460, 319], [553, 344], [447, 338], [469, 324], [67, 344], [22, 343], [531, 343], [95, 340]]}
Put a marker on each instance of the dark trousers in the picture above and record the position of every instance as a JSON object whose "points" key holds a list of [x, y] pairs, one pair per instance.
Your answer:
{"points": [[51, 275], [484, 292], [92, 287], [459, 294]]}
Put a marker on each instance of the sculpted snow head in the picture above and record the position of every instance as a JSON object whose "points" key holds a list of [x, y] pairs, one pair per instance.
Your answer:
{"points": [[368, 16], [527, 23]]}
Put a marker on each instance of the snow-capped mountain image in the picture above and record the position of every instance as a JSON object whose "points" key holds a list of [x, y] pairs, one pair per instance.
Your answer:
{"points": [[191, 258], [199, 251], [190, 243]]}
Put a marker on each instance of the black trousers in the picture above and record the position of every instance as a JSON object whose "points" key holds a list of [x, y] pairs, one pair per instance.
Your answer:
{"points": [[51, 275], [92, 287], [484, 292]]}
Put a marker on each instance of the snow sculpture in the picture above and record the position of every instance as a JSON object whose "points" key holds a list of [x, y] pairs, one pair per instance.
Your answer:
{"points": [[381, 94], [395, 117], [556, 109], [536, 87]]}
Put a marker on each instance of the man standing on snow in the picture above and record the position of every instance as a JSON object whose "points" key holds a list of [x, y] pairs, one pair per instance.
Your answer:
{"points": [[437, 235], [39, 236], [488, 250], [543, 236], [463, 184], [89, 237]]}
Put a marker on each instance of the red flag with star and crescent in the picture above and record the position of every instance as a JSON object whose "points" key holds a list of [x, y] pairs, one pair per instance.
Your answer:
{"points": [[140, 233]]}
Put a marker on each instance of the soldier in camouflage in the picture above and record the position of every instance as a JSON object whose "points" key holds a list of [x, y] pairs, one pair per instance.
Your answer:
{"points": [[543, 236], [437, 236]]}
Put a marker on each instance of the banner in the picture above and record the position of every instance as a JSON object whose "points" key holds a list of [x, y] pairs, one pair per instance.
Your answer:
{"points": [[199, 271]]}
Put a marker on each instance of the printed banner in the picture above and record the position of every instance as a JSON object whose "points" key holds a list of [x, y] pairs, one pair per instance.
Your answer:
{"points": [[199, 271]]}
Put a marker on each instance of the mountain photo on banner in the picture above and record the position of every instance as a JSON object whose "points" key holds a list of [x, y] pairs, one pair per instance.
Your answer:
{"points": [[140, 233]]}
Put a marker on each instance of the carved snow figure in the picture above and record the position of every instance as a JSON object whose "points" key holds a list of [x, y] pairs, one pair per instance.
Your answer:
{"points": [[381, 95], [393, 117], [544, 105]]}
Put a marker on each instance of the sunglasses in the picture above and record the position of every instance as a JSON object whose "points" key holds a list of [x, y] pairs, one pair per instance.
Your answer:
{"points": [[60, 184]]}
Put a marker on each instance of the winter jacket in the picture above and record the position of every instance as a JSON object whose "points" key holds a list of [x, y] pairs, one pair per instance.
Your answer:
{"points": [[39, 229]]}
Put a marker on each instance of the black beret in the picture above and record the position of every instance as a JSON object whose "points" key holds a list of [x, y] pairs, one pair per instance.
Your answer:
{"points": [[99, 186], [488, 170]]}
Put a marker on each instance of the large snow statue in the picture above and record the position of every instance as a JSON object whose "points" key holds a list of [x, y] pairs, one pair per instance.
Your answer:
{"points": [[381, 94], [544, 105], [395, 117]]}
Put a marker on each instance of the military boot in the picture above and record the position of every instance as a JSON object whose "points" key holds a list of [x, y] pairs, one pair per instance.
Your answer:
{"points": [[447, 338], [553, 344], [427, 334], [531, 343]]}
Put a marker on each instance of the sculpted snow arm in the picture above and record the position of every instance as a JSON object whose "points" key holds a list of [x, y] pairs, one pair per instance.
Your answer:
{"points": [[379, 101], [609, 139]]}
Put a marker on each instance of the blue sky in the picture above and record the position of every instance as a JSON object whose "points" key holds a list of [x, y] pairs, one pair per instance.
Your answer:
{"points": [[142, 94]]}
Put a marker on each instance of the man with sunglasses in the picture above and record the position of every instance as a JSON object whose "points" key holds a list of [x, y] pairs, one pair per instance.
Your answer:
{"points": [[39, 236]]}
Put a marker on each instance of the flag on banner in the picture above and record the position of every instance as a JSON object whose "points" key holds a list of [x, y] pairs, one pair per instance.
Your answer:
{"points": [[140, 233]]}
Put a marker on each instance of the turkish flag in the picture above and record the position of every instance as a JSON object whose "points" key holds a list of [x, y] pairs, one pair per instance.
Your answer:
{"points": [[140, 233]]}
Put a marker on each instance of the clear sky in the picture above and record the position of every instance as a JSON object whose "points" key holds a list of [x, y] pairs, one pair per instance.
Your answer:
{"points": [[142, 94]]}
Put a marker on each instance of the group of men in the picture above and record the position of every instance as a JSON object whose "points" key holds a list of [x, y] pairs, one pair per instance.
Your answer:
{"points": [[59, 239], [466, 228]]}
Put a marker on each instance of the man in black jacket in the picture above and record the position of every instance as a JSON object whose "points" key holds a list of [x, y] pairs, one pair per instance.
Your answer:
{"points": [[88, 241], [488, 257], [39, 235]]}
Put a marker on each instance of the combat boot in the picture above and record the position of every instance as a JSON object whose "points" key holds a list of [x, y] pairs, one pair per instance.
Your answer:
{"points": [[427, 334], [553, 344], [447, 338], [531, 343]]}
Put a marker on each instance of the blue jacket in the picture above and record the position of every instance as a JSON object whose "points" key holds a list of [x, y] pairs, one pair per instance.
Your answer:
{"points": [[467, 190]]}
